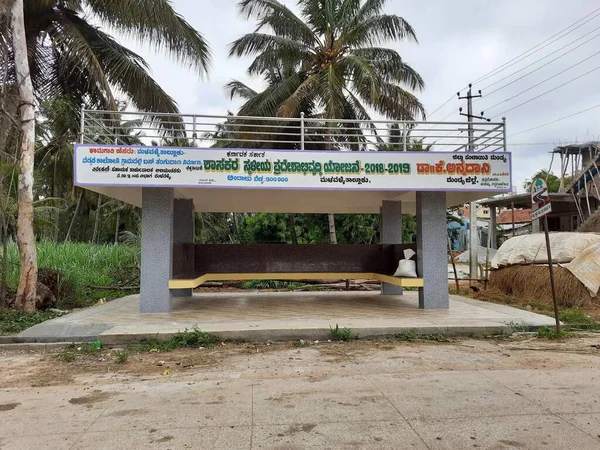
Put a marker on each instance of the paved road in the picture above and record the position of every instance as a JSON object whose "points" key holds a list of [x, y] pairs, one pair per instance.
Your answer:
{"points": [[469, 394]]}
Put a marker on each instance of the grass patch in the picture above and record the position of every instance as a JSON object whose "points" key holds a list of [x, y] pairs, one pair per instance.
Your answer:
{"points": [[413, 335], [13, 321], [341, 334], [577, 318], [82, 265], [193, 338], [551, 333]]}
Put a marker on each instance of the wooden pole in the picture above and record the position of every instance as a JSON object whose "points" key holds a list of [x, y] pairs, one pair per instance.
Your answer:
{"points": [[512, 206], [453, 264], [551, 269], [487, 256]]}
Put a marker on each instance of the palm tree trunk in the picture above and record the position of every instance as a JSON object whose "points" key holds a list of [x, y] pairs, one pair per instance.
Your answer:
{"points": [[55, 194], [97, 219], [117, 227], [68, 236], [332, 232], [3, 266], [26, 292]]}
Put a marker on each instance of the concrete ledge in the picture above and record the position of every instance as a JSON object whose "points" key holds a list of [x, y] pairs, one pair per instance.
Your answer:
{"points": [[281, 316]]}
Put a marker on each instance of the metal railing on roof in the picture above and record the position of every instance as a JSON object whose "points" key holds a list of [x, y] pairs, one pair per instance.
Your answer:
{"points": [[302, 133]]}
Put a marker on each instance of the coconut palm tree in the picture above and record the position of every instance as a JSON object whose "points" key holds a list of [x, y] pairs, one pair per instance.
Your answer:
{"points": [[335, 61], [57, 51], [335, 48]]}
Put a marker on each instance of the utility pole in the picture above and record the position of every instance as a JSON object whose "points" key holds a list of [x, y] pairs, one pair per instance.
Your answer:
{"points": [[473, 235]]}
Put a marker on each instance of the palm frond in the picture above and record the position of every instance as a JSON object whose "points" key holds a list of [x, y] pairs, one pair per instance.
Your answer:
{"points": [[255, 43], [290, 107], [388, 64], [156, 22], [238, 89], [283, 22], [377, 29], [268, 102], [126, 70]]}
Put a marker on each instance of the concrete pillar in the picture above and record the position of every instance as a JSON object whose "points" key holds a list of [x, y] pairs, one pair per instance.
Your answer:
{"points": [[157, 249], [492, 227], [391, 233], [432, 259], [183, 232]]}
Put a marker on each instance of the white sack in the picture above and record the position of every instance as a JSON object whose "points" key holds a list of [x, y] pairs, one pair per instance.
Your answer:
{"points": [[407, 268]]}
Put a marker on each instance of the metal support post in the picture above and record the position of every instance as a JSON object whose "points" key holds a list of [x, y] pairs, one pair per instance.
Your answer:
{"points": [[302, 130]]}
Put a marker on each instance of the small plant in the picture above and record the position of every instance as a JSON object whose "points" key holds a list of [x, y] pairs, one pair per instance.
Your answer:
{"points": [[341, 334], [515, 327], [89, 348], [193, 338], [121, 357], [551, 333]]}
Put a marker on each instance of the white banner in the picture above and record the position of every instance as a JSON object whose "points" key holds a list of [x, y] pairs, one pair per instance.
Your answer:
{"points": [[113, 165]]}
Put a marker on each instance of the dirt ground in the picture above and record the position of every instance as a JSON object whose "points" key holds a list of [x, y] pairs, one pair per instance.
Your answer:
{"points": [[518, 392], [37, 368]]}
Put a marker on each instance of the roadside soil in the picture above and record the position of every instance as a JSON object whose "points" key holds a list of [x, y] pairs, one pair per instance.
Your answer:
{"points": [[37, 368]]}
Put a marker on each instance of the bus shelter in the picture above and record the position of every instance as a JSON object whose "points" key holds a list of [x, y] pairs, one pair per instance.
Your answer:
{"points": [[173, 181]]}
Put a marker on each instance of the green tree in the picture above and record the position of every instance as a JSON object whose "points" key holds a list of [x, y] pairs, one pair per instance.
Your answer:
{"points": [[335, 48], [551, 180], [334, 60], [263, 228]]}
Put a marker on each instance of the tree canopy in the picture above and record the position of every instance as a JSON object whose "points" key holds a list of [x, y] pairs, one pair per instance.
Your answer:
{"points": [[334, 59]]}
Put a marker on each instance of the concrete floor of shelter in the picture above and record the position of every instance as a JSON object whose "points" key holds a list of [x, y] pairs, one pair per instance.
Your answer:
{"points": [[282, 315]]}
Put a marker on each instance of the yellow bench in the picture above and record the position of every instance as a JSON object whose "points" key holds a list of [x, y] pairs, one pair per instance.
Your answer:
{"points": [[191, 283]]}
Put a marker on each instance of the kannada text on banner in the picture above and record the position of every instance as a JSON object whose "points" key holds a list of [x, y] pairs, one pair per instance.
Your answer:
{"points": [[105, 165]]}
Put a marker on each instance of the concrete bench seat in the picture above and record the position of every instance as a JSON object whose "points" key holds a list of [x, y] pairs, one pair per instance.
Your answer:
{"points": [[191, 281]]}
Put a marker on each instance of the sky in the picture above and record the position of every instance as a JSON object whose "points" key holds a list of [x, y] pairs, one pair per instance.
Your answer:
{"points": [[459, 42]]}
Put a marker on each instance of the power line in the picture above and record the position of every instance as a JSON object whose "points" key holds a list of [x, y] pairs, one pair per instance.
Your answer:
{"points": [[542, 66], [518, 58], [543, 81], [557, 120], [547, 92], [535, 70], [491, 73], [440, 107]]}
